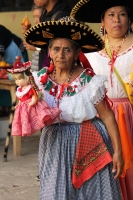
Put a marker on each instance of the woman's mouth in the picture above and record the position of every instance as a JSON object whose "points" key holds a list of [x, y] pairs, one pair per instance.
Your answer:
{"points": [[117, 27]]}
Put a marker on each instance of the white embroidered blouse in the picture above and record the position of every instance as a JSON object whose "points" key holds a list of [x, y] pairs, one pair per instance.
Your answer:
{"points": [[78, 99], [123, 64]]}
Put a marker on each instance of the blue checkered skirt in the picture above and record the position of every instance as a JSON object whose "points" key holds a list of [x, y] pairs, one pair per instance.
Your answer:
{"points": [[57, 149]]}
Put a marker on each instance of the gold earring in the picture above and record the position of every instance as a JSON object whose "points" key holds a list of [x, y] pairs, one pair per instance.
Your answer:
{"points": [[102, 30]]}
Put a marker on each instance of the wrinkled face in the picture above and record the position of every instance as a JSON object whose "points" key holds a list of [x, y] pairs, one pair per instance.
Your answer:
{"points": [[116, 21], [63, 53], [41, 3], [37, 15]]}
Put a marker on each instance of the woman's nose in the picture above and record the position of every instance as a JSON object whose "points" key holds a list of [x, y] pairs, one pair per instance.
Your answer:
{"points": [[117, 18], [61, 53]]}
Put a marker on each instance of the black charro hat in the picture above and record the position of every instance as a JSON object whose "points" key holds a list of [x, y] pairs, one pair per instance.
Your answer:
{"points": [[40, 34], [91, 10]]}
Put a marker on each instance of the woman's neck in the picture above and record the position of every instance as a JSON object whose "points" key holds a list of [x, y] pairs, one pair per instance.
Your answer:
{"points": [[62, 73], [63, 76], [116, 40], [66, 76], [120, 44]]}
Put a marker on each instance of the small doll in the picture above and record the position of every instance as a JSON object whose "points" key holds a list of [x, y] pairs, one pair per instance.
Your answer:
{"points": [[32, 113], [25, 24], [129, 86]]}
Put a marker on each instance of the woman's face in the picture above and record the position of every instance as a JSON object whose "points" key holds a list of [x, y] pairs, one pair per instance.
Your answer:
{"points": [[63, 53], [116, 21], [37, 15]]}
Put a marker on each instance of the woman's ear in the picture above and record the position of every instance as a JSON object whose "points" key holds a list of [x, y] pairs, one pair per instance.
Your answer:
{"points": [[77, 53], [49, 53], [102, 22]]}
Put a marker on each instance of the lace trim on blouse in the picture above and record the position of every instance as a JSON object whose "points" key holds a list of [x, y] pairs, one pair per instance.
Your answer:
{"points": [[120, 54]]}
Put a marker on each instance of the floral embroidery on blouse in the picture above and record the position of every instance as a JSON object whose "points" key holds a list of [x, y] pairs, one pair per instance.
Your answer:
{"points": [[67, 89]]}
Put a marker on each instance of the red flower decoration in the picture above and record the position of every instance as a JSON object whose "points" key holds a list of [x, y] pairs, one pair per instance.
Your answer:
{"points": [[90, 72], [53, 90], [70, 89]]}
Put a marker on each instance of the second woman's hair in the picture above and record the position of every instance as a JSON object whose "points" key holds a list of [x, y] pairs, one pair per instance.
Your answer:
{"points": [[127, 10]]}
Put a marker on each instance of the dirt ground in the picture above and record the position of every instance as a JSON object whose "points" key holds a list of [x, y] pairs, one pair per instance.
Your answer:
{"points": [[18, 174]]}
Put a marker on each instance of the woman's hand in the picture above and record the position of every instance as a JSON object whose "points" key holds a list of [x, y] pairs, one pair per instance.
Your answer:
{"points": [[107, 116], [117, 165], [28, 46]]}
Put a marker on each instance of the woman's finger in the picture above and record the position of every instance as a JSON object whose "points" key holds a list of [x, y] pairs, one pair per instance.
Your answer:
{"points": [[117, 166]]}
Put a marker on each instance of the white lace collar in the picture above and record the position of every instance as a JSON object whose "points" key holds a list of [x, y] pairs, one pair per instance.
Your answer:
{"points": [[21, 93]]}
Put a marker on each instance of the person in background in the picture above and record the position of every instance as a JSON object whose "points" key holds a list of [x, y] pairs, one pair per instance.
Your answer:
{"points": [[37, 11], [115, 61], [52, 10], [10, 47], [19, 42]]}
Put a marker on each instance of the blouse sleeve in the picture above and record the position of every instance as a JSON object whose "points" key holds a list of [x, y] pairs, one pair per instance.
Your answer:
{"points": [[35, 75], [97, 89]]}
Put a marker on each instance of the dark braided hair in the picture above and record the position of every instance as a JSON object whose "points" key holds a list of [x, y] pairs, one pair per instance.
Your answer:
{"points": [[33, 84]]}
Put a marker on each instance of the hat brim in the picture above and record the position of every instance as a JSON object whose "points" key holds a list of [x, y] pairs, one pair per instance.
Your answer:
{"points": [[26, 66], [88, 40], [91, 10]]}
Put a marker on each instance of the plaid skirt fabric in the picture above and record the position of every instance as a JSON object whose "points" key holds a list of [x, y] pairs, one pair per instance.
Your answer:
{"points": [[57, 148], [30, 119]]}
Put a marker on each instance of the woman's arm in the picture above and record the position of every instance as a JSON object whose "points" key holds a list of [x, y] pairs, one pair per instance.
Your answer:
{"points": [[108, 118]]}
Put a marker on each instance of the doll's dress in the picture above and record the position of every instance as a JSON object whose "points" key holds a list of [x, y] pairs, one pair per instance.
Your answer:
{"points": [[29, 119]]}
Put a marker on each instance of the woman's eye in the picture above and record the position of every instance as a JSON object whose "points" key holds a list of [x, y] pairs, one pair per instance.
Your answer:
{"points": [[122, 14], [56, 49], [67, 50], [111, 14]]}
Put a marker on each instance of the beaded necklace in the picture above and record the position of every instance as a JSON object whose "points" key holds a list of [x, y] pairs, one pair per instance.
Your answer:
{"points": [[68, 77], [112, 54], [118, 46], [63, 86]]}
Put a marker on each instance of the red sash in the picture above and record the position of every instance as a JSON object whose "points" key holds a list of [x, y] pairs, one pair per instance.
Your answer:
{"points": [[91, 154]]}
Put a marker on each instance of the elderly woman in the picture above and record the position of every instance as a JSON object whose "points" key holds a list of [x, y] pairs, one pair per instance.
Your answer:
{"points": [[115, 61], [76, 159]]}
